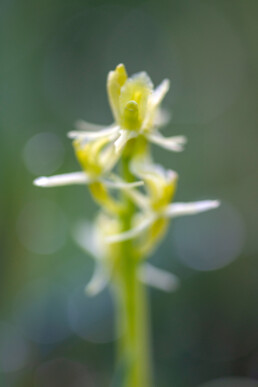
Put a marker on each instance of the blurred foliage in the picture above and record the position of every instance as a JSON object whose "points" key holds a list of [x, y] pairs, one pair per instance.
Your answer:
{"points": [[54, 59]]}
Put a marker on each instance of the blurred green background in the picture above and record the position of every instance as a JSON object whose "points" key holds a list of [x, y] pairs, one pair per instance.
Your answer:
{"points": [[55, 56]]}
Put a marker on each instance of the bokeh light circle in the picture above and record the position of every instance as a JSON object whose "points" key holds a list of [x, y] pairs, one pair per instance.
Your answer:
{"points": [[92, 318], [211, 240], [43, 154], [40, 311], [42, 227]]}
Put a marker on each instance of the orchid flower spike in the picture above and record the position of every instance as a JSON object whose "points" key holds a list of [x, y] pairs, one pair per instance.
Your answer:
{"points": [[133, 220], [137, 113]]}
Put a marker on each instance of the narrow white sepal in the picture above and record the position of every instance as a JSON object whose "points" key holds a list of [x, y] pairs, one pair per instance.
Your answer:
{"points": [[98, 281], [181, 209], [83, 234], [171, 143], [84, 125], [133, 232], [160, 92], [109, 132], [162, 117], [122, 184], [158, 278], [60, 180]]}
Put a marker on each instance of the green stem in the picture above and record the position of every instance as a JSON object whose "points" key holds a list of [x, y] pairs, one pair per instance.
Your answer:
{"points": [[132, 307]]}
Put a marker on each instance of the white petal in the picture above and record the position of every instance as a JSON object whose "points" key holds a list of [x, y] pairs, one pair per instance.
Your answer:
{"points": [[98, 281], [158, 278], [84, 235], [133, 232], [60, 180], [180, 209], [160, 92], [171, 143], [84, 125], [142, 167], [162, 117], [109, 132], [109, 157], [125, 135], [122, 184]]}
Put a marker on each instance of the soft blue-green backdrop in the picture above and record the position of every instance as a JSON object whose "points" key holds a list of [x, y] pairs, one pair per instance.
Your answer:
{"points": [[55, 56]]}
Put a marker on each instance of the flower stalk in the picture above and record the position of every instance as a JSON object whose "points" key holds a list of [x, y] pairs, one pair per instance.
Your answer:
{"points": [[131, 299], [131, 224]]}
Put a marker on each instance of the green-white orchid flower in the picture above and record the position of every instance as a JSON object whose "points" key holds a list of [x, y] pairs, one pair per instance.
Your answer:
{"points": [[92, 239], [97, 158], [156, 207], [136, 109]]}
